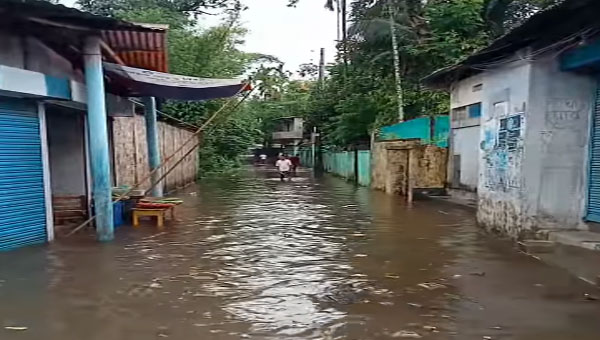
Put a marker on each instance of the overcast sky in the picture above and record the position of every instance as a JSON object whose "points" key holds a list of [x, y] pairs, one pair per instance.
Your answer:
{"points": [[294, 35]]}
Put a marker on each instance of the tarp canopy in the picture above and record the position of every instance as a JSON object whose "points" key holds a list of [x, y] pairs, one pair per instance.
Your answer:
{"points": [[134, 82]]}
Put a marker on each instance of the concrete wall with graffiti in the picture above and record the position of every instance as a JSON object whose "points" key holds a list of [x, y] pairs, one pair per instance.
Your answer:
{"points": [[533, 152], [503, 129]]}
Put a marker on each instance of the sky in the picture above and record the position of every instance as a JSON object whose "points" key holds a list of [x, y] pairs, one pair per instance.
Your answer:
{"points": [[294, 35]]}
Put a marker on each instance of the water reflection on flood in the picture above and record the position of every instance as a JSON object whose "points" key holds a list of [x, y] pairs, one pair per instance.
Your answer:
{"points": [[252, 257]]}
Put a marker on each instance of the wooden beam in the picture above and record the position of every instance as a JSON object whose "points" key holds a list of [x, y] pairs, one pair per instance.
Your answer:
{"points": [[109, 51]]}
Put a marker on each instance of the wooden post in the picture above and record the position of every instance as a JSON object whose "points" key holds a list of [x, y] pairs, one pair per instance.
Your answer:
{"points": [[409, 177]]}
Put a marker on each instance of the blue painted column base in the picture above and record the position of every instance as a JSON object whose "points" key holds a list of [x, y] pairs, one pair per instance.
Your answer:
{"points": [[153, 143]]}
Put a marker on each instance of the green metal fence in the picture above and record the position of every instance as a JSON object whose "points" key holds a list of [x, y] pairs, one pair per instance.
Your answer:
{"points": [[344, 164], [340, 163], [430, 130], [364, 167]]}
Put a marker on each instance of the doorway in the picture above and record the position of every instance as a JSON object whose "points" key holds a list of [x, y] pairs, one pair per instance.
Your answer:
{"points": [[68, 166]]}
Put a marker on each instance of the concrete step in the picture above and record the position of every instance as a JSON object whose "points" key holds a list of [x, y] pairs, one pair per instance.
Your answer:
{"points": [[536, 246], [583, 239], [575, 251]]}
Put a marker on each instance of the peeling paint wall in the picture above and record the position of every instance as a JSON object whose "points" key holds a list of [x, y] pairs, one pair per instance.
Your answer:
{"points": [[533, 150], [393, 161], [428, 164], [503, 128]]}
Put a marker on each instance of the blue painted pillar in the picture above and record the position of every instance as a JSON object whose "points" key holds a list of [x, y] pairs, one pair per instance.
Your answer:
{"points": [[152, 140], [98, 139]]}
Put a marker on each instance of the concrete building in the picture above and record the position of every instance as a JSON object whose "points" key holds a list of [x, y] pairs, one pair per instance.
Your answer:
{"points": [[288, 134], [465, 122], [56, 116], [539, 136], [53, 120]]}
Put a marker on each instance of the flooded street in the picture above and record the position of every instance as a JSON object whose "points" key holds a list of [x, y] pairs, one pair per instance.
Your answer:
{"points": [[312, 259]]}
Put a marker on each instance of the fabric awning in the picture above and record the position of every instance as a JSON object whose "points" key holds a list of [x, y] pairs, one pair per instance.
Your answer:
{"points": [[134, 82]]}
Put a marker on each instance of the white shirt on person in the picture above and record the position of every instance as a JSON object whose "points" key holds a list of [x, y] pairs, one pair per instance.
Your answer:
{"points": [[284, 165]]}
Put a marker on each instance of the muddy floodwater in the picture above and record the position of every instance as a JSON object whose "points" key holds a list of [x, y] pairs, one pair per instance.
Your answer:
{"points": [[317, 258]]}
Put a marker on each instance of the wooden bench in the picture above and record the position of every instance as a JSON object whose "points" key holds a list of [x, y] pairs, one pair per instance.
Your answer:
{"points": [[69, 209], [158, 213]]}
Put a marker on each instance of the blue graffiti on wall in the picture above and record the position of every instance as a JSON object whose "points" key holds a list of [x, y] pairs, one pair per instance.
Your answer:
{"points": [[503, 146]]}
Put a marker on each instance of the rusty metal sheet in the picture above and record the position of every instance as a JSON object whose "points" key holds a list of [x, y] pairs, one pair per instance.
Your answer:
{"points": [[147, 50]]}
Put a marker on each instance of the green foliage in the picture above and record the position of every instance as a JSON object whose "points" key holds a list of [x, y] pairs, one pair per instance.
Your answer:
{"points": [[359, 93], [228, 137], [201, 52], [277, 96], [114, 7], [360, 97], [503, 15]]}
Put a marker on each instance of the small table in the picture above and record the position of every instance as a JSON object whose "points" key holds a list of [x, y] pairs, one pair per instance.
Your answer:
{"points": [[159, 213]]}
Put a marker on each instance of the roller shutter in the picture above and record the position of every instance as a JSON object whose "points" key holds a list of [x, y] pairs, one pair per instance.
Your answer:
{"points": [[22, 199]]}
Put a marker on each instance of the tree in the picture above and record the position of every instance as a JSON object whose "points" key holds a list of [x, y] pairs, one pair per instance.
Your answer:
{"points": [[201, 52], [308, 70], [194, 7], [503, 15], [365, 94]]}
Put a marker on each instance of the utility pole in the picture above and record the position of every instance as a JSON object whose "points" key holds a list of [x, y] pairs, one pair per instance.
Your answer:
{"points": [[338, 13], [313, 155], [345, 36], [322, 69], [396, 63]]}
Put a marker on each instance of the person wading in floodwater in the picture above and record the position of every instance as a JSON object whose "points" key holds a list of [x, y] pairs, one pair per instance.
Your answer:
{"points": [[295, 163], [284, 166]]}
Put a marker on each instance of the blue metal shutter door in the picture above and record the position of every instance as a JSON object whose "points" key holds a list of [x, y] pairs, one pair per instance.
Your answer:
{"points": [[22, 199], [593, 204]]}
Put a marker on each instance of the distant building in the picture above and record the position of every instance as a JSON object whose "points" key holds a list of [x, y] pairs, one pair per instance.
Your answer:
{"points": [[465, 121], [289, 133], [536, 144]]}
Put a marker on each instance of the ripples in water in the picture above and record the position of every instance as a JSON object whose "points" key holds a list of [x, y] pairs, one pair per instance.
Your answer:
{"points": [[252, 257]]}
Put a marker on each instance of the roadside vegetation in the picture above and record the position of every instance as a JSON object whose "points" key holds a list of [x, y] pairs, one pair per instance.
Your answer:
{"points": [[363, 88]]}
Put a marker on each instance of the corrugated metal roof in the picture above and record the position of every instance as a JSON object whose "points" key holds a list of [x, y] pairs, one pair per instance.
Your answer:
{"points": [[147, 50]]}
